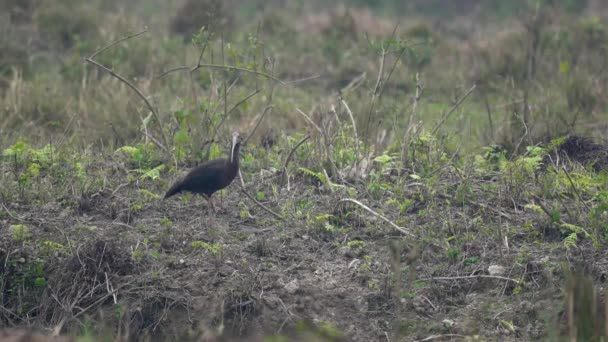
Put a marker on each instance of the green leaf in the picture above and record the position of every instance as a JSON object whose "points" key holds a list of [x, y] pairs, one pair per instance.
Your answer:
{"points": [[564, 67], [260, 196], [215, 151], [40, 282], [34, 170], [181, 137], [570, 240], [20, 232], [384, 159], [130, 150]]}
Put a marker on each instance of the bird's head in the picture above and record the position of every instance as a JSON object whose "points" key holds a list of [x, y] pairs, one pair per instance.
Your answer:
{"points": [[236, 138], [236, 144]]}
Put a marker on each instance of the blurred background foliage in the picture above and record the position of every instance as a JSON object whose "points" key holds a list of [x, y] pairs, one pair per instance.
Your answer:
{"points": [[537, 62]]}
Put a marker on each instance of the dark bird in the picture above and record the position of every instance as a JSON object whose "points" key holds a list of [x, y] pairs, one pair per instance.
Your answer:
{"points": [[210, 176]]}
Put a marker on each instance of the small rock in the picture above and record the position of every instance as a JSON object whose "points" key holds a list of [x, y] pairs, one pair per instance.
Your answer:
{"points": [[292, 286], [361, 304], [346, 251], [496, 270], [354, 264], [448, 323], [422, 306], [527, 307]]}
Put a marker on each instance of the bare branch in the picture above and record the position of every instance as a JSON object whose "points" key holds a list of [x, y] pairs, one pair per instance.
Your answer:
{"points": [[129, 84], [284, 169], [117, 42], [352, 120], [231, 67], [266, 110], [172, 71], [473, 277], [368, 209], [440, 337], [244, 190], [454, 107], [309, 120]]}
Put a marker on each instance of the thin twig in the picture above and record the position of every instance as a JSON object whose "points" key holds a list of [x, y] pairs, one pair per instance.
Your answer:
{"points": [[472, 277], [368, 209], [117, 42], [578, 194], [236, 105], [284, 177], [266, 110], [309, 120], [352, 120], [293, 150], [454, 107], [91, 60], [437, 337], [231, 67], [243, 190], [170, 71], [410, 123]]}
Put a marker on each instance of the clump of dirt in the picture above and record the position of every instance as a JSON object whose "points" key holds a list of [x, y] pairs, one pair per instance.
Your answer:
{"points": [[585, 151], [87, 279]]}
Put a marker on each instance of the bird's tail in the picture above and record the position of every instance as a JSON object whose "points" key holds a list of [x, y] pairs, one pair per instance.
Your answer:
{"points": [[175, 188]]}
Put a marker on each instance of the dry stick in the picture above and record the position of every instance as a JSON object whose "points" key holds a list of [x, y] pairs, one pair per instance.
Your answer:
{"points": [[406, 143], [243, 190], [523, 137], [309, 120], [236, 105], [454, 107], [266, 110], [117, 42], [376, 92], [352, 120], [284, 169], [368, 209], [230, 67], [130, 85], [437, 337], [472, 277], [489, 111], [578, 194]]}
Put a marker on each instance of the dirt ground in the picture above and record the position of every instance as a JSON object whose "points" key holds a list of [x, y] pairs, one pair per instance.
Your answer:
{"points": [[170, 269]]}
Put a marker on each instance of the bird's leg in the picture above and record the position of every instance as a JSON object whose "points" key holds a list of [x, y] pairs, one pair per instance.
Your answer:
{"points": [[210, 201]]}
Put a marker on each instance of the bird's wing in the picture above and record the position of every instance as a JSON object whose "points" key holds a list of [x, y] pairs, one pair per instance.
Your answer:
{"points": [[207, 174]]}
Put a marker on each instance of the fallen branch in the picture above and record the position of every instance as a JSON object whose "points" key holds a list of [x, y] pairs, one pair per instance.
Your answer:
{"points": [[437, 337], [368, 209], [472, 277], [243, 190], [284, 169]]}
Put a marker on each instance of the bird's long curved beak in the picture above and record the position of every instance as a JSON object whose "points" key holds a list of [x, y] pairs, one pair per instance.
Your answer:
{"points": [[235, 139]]}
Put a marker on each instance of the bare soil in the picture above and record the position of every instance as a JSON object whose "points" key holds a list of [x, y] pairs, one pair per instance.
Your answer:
{"points": [[146, 272]]}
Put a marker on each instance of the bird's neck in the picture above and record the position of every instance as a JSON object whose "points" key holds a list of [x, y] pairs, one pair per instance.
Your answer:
{"points": [[234, 155]]}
